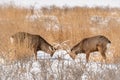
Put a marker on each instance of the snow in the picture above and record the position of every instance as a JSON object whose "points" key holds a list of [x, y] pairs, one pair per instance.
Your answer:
{"points": [[35, 68], [60, 3], [63, 54], [56, 67], [51, 22], [43, 55], [67, 60], [2, 61]]}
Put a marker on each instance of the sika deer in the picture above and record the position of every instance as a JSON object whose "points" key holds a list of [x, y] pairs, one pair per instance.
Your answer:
{"points": [[91, 44], [33, 41]]}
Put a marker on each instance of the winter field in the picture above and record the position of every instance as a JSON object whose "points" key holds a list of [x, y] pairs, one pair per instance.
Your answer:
{"points": [[63, 28]]}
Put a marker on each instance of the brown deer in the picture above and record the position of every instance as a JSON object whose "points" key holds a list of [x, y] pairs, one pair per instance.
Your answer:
{"points": [[91, 44], [36, 42]]}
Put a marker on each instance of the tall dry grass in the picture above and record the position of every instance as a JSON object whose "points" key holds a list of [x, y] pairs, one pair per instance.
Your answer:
{"points": [[58, 25]]}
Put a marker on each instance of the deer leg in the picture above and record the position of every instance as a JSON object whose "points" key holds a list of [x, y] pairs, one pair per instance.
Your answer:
{"points": [[103, 55], [35, 54], [36, 48], [102, 51], [87, 57], [51, 55]]}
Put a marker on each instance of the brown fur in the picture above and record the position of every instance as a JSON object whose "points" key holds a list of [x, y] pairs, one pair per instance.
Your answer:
{"points": [[36, 42], [91, 44]]}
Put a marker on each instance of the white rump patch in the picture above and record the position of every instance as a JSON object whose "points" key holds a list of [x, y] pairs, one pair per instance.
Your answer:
{"points": [[108, 51], [2, 61], [108, 45], [11, 40]]}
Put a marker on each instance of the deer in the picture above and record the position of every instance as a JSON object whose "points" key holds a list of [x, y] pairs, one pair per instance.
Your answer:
{"points": [[88, 45], [36, 42]]}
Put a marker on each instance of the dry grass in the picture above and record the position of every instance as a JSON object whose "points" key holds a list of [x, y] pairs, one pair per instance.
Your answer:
{"points": [[74, 24]]}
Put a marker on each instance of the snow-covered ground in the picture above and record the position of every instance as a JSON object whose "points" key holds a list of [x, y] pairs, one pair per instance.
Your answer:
{"points": [[59, 67], [60, 3]]}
